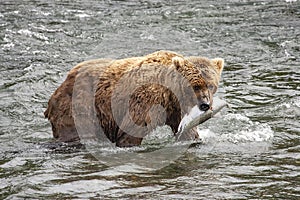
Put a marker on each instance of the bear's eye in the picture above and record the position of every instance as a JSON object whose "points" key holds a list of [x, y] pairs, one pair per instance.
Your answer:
{"points": [[196, 87], [211, 87]]}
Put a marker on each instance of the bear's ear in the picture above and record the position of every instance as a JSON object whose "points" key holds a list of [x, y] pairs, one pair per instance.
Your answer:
{"points": [[218, 64], [178, 62]]}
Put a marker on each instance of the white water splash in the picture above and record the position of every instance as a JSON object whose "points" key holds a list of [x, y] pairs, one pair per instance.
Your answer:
{"points": [[240, 129], [291, 107], [297, 102], [82, 15], [293, 103], [159, 136], [290, 1], [15, 162], [29, 33], [260, 133]]}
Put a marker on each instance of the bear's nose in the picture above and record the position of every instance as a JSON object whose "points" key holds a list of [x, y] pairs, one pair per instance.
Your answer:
{"points": [[204, 106]]}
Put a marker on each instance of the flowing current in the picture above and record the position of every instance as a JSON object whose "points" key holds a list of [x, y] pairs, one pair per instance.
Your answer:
{"points": [[250, 151]]}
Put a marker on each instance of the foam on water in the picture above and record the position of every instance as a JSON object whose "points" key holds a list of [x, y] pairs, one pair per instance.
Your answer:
{"points": [[287, 109], [29, 33], [245, 131], [293, 103], [159, 136], [15, 162], [290, 1], [260, 133]]}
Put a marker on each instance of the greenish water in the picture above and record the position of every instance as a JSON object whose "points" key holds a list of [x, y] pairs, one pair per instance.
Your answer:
{"points": [[252, 151]]}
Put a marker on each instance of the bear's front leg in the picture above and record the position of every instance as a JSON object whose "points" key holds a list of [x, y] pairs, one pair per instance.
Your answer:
{"points": [[126, 140], [130, 132]]}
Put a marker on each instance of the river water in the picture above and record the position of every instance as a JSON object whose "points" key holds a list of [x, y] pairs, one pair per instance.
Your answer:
{"points": [[251, 151]]}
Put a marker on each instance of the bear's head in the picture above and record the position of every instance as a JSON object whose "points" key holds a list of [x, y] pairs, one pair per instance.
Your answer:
{"points": [[203, 75]]}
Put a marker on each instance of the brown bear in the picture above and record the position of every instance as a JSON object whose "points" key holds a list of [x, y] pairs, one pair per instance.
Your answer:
{"points": [[127, 98]]}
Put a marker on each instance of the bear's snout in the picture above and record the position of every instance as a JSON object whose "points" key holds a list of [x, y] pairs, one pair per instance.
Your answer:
{"points": [[204, 100], [204, 106]]}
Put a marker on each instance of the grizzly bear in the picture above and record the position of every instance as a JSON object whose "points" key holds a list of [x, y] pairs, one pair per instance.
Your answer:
{"points": [[127, 98]]}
